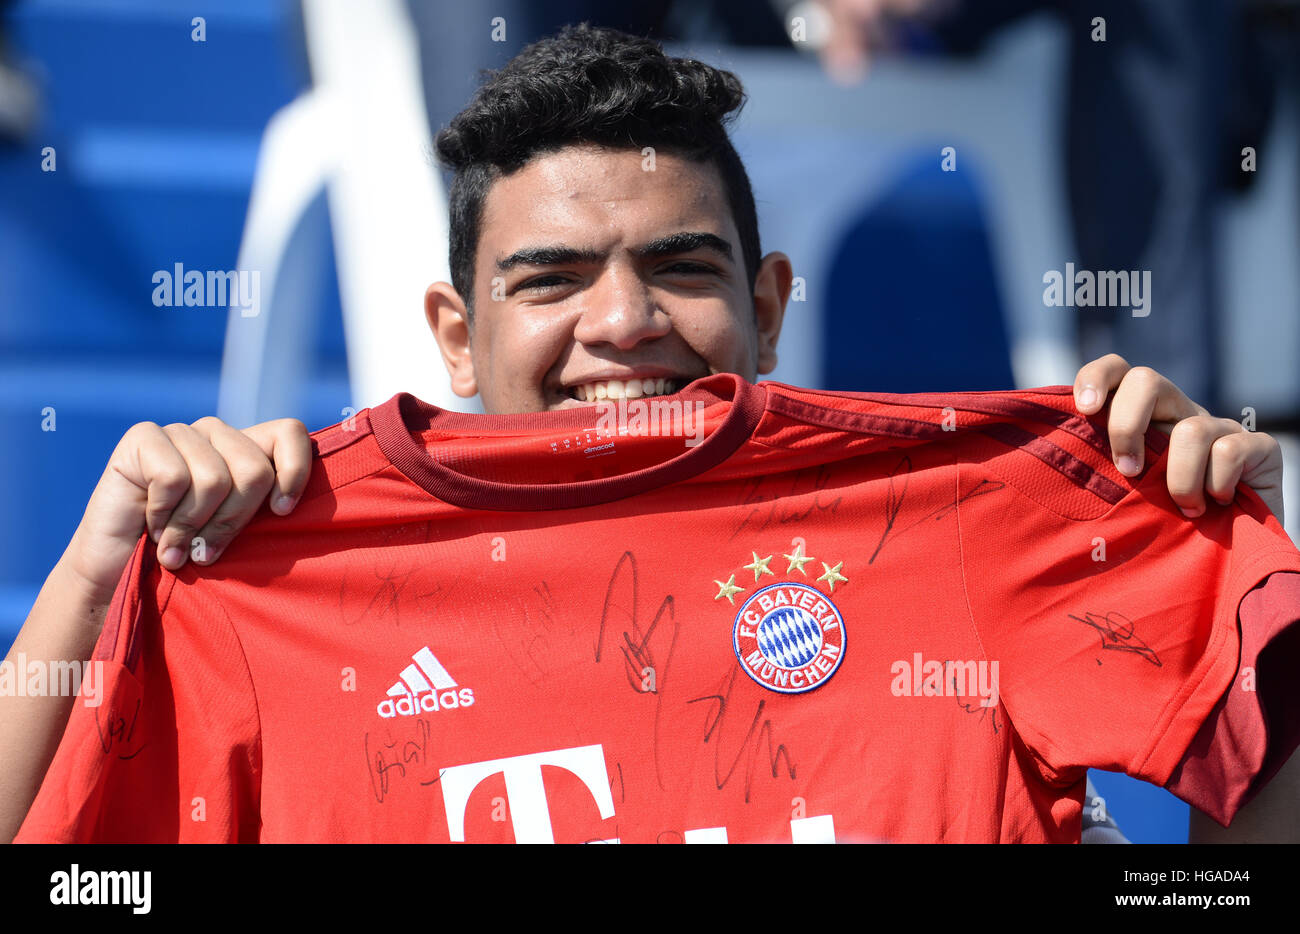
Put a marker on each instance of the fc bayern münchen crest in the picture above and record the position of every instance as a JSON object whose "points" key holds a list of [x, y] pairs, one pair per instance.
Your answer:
{"points": [[789, 637]]}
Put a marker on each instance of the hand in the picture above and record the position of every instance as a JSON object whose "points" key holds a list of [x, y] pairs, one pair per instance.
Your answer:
{"points": [[192, 486], [1206, 454]]}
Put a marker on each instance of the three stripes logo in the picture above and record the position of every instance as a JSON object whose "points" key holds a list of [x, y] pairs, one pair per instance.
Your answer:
{"points": [[425, 687]]}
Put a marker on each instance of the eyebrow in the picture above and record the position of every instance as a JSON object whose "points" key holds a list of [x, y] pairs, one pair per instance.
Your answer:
{"points": [[670, 245]]}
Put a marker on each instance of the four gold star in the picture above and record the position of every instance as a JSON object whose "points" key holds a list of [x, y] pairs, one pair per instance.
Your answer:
{"points": [[832, 574], [729, 589], [760, 565], [797, 560]]}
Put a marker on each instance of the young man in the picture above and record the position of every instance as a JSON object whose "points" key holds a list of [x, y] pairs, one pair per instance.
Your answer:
{"points": [[519, 590]]}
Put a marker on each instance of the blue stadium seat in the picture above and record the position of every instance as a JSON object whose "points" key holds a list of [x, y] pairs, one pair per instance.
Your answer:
{"points": [[156, 138]]}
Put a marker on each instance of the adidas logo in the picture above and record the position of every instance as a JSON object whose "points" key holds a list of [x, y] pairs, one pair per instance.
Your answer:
{"points": [[425, 687]]}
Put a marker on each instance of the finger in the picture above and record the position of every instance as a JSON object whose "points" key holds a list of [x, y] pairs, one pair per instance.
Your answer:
{"points": [[287, 443], [1130, 414], [1190, 443], [1249, 456], [151, 462], [1224, 466], [210, 482], [251, 478], [1173, 405], [1096, 379]]}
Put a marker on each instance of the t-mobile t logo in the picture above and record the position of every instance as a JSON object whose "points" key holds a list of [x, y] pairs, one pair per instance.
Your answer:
{"points": [[528, 811], [530, 815]]}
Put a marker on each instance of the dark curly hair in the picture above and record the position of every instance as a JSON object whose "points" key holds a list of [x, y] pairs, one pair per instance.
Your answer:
{"points": [[591, 85]]}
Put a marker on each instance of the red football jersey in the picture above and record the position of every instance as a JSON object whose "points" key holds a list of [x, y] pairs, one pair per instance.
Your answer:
{"points": [[769, 614]]}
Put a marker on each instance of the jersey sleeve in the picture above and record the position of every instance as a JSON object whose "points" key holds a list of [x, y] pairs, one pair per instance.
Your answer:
{"points": [[1130, 638], [163, 743]]}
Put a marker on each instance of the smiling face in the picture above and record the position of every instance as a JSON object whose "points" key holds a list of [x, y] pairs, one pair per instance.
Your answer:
{"points": [[596, 277]]}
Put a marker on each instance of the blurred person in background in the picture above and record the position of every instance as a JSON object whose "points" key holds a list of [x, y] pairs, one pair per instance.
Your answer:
{"points": [[1161, 97], [18, 95]]}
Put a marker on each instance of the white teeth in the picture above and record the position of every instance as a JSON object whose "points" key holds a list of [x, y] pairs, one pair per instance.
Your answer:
{"points": [[622, 389]]}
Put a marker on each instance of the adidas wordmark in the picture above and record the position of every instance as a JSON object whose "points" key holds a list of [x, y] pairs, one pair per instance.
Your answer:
{"points": [[425, 687]]}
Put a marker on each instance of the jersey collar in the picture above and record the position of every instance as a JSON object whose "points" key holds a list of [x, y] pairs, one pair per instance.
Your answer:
{"points": [[395, 422]]}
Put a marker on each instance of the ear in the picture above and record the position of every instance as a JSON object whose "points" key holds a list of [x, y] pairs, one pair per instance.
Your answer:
{"points": [[445, 311], [771, 292]]}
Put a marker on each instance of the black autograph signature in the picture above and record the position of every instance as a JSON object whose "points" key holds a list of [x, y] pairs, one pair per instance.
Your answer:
{"points": [[771, 507], [531, 631], [758, 736], [975, 707], [640, 666], [119, 731], [386, 599], [386, 760], [1116, 631], [894, 503]]}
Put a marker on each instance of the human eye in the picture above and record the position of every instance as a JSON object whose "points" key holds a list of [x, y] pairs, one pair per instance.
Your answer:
{"points": [[690, 268], [543, 283]]}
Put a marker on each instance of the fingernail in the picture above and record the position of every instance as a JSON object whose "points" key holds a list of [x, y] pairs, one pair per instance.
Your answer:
{"points": [[1088, 397], [1191, 513], [173, 557], [284, 502], [1127, 464]]}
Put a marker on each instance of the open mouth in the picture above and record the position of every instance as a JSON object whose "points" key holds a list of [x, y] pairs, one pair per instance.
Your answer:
{"points": [[600, 390]]}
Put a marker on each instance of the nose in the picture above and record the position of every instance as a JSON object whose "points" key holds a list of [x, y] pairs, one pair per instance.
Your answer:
{"points": [[621, 310]]}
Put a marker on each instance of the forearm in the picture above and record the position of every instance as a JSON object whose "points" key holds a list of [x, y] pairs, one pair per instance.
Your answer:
{"points": [[1272, 817], [63, 626]]}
